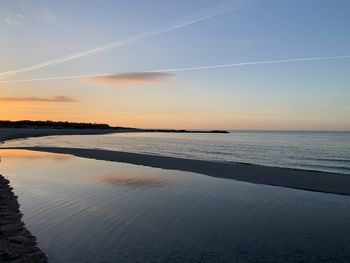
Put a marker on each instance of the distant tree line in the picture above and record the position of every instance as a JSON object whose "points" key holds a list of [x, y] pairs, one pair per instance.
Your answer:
{"points": [[52, 124], [80, 125]]}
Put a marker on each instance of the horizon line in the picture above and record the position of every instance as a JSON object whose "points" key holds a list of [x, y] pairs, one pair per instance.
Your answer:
{"points": [[188, 129]]}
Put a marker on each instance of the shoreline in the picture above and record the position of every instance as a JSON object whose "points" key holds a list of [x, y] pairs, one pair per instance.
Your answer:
{"points": [[7, 134], [25, 247], [17, 244], [275, 176], [309, 180]]}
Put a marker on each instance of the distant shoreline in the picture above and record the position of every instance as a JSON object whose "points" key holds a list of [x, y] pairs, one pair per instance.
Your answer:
{"points": [[21, 133], [90, 127]]}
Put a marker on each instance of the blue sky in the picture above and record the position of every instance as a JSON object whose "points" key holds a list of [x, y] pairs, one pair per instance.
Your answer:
{"points": [[294, 95]]}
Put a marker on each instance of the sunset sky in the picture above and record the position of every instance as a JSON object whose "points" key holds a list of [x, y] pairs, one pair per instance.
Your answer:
{"points": [[208, 64]]}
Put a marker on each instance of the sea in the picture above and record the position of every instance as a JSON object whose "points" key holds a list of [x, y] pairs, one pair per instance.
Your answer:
{"points": [[85, 210], [308, 150]]}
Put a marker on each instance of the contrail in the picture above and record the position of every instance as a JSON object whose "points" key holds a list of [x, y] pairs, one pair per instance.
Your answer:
{"points": [[253, 63], [290, 60], [213, 12]]}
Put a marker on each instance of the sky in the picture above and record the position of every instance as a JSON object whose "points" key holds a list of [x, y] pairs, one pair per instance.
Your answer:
{"points": [[208, 64]]}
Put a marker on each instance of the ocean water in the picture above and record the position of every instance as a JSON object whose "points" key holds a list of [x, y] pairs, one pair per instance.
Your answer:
{"points": [[321, 151], [84, 210]]}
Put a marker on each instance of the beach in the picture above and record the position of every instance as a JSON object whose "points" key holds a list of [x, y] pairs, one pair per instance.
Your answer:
{"points": [[276, 176], [17, 244], [85, 210], [311, 180], [23, 243], [175, 132]]}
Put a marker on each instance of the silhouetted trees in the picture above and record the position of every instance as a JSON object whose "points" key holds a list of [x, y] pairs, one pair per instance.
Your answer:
{"points": [[80, 125], [52, 124]]}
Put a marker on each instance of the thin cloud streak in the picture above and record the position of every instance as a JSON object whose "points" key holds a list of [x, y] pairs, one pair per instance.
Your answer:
{"points": [[131, 78], [290, 60], [127, 41], [254, 63], [38, 99]]}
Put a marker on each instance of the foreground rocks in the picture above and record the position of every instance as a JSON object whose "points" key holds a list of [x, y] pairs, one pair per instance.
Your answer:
{"points": [[17, 244]]}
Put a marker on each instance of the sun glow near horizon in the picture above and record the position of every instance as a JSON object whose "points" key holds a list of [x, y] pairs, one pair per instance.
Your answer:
{"points": [[220, 65]]}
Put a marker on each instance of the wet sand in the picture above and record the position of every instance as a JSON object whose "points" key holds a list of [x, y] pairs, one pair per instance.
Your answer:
{"points": [[84, 210], [17, 244], [285, 177]]}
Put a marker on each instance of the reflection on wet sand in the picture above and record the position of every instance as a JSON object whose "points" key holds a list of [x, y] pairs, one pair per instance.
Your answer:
{"points": [[84, 210], [31, 155], [130, 180]]}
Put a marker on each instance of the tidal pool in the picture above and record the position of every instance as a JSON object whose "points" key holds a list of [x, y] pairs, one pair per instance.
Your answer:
{"points": [[84, 210]]}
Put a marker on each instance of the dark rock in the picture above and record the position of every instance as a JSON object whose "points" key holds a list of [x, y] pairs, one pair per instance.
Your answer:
{"points": [[17, 244]]}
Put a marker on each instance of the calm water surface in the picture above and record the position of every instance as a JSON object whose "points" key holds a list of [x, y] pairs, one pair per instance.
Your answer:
{"points": [[322, 151], [95, 211]]}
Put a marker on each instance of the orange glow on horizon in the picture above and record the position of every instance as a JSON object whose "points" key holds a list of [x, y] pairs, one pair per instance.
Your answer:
{"points": [[134, 111], [167, 121]]}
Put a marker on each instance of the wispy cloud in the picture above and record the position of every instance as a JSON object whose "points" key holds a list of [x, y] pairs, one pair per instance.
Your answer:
{"points": [[15, 18], [12, 21], [168, 70], [47, 15], [218, 10], [128, 79], [252, 63], [38, 99]]}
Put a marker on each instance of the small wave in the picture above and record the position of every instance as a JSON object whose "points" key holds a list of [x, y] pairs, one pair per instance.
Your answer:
{"points": [[330, 160]]}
